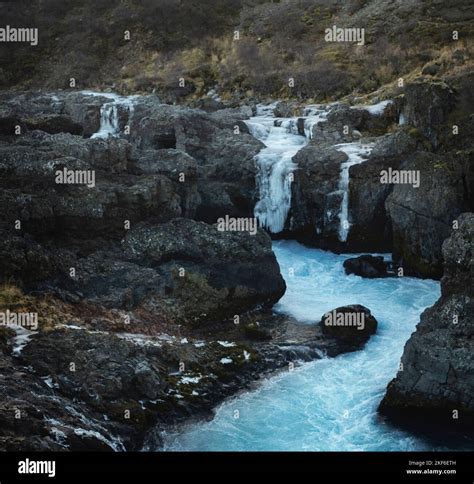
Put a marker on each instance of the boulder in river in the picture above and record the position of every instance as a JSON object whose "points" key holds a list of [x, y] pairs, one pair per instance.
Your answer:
{"points": [[350, 325], [366, 266]]}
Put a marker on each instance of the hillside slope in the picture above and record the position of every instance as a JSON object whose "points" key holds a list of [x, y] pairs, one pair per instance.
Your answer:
{"points": [[197, 41]]}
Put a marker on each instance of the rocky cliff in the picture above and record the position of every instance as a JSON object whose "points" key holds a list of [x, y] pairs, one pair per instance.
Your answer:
{"points": [[146, 314], [434, 389]]}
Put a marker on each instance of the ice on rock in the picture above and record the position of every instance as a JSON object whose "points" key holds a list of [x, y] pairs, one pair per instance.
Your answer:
{"points": [[109, 113], [275, 162], [357, 153]]}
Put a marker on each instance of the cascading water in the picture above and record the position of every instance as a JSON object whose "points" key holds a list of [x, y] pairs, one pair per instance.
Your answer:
{"points": [[275, 165], [329, 404], [109, 122], [109, 113], [357, 153]]}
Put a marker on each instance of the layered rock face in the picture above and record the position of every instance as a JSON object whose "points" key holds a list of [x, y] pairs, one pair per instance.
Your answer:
{"points": [[202, 163], [315, 197], [371, 228], [435, 387], [422, 217], [220, 145]]}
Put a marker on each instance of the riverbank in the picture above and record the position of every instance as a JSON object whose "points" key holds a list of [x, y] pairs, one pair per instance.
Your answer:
{"points": [[149, 315]]}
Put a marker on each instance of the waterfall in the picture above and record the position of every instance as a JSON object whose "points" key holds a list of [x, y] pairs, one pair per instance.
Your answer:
{"points": [[275, 163], [357, 154], [313, 114], [109, 121], [109, 113]]}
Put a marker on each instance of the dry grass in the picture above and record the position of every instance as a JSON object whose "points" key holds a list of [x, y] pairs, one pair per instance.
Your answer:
{"points": [[51, 312]]}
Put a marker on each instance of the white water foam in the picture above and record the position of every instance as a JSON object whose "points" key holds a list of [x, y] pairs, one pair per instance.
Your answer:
{"points": [[329, 404], [275, 164], [109, 113]]}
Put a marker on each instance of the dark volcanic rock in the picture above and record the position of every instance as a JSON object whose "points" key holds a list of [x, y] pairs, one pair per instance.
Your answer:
{"points": [[52, 112], [345, 123], [79, 389], [370, 223], [435, 387], [89, 212], [31, 195], [339, 126], [55, 123], [34, 417], [178, 167], [182, 271], [84, 110], [351, 325], [422, 217], [316, 199], [222, 153], [210, 275], [218, 199], [286, 110], [366, 266], [208, 104], [427, 106], [36, 151], [24, 260]]}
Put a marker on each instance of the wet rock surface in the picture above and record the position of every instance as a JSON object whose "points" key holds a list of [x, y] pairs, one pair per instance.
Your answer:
{"points": [[315, 196], [350, 325], [422, 217], [435, 388], [367, 266], [371, 226]]}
